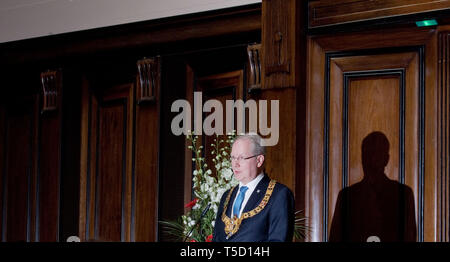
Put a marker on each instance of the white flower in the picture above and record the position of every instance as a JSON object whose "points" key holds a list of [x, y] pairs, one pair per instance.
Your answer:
{"points": [[208, 188], [214, 207], [211, 180], [197, 194], [227, 173], [220, 192], [204, 187], [196, 206]]}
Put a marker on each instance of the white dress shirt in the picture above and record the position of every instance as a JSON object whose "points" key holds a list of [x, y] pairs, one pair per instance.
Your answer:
{"points": [[251, 187]]}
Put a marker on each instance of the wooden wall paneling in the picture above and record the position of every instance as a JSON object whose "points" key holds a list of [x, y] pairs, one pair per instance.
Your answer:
{"points": [[109, 178], [2, 159], [69, 213], [325, 13], [386, 83], [334, 173], [33, 191], [279, 37], [280, 161], [443, 134], [353, 77], [391, 39], [188, 163], [383, 87], [110, 169], [51, 135], [49, 176], [130, 178], [283, 67], [411, 143], [110, 118], [91, 178], [242, 19], [301, 112], [172, 187], [429, 161], [145, 215], [220, 75], [85, 124], [365, 96], [19, 165], [314, 167], [220, 87], [223, 80]]}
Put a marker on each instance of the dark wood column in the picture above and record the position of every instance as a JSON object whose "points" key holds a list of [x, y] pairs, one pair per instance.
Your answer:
{"points": [[283, 78]]}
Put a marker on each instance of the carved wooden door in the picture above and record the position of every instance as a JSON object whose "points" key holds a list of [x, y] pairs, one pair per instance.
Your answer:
{"points": [[358, 84]]}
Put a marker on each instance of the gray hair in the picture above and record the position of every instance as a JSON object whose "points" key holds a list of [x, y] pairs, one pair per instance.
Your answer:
{"points": [[255, 140]]}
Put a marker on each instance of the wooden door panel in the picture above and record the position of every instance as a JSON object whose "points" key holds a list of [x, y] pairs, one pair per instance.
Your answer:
{"points": [[444, 131], [18, 177], [378, 100], [18, 170], [323, 13], [109, 182], [366, 90], [220, 87], [144, 226], [49, 177], [110, 174], [2, 159], [32, 150], [367, 94], [120, 153]]}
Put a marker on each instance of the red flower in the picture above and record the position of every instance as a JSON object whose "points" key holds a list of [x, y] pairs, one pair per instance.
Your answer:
{"points": [[192, 203], [209, 238], [192, 240]]}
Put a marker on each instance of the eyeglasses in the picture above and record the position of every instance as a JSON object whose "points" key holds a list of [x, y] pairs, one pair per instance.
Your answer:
{"points": [[239, 159]]}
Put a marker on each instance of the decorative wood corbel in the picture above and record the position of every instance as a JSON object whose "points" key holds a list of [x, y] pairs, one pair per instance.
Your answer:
{"points": [[148, 80], [254, 59], [283, 43], [51, 90], [281, 66]]}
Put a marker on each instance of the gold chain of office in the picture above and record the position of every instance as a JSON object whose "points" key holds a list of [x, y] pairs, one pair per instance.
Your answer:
{"points": [[232, 224]]}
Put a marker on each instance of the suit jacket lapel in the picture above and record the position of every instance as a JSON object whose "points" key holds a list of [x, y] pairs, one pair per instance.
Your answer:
{"points": [[257, 194]]}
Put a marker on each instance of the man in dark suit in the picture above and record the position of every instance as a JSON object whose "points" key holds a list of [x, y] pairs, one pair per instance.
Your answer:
{"points": [[258, 209]]}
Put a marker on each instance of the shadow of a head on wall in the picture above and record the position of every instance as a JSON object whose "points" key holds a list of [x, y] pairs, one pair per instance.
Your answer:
{"points": [[376, 207]]}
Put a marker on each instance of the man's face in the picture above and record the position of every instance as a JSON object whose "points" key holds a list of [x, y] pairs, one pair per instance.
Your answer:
{"points": [[245, 170]]}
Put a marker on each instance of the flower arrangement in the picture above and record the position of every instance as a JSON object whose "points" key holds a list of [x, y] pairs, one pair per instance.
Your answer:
{"points": [[208, 187]]}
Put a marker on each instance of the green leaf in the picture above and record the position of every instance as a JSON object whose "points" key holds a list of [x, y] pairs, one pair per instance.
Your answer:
{"points": [[173, 229], [301, 229]]}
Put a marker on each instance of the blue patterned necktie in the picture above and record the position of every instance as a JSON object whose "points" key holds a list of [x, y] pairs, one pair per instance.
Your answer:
{"points": [[238, 202]]}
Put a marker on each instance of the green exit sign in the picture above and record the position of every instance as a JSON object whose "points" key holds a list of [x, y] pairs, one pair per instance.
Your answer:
{"points": [[430, 22]]}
